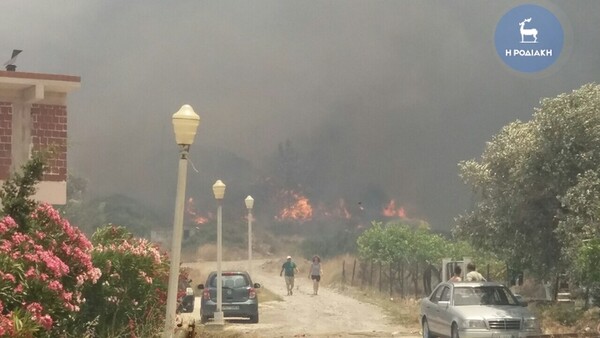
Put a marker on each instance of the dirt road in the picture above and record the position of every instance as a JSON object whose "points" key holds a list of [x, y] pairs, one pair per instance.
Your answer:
{"points": [[329, 314]]}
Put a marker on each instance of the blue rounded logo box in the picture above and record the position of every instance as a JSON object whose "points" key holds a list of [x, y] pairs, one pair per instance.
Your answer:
{"points": [[529, 38]]}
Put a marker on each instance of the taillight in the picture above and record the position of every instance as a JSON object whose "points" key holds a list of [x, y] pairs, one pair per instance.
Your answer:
{"points": [[251, 293], [206, 294]]}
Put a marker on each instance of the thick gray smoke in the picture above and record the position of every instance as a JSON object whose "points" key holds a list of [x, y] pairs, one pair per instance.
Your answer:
{"points": [[382, 98]]}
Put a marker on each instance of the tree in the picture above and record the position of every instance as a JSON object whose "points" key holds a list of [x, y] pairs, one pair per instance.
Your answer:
{"points": [[400, 245], [523, 176], [19, 187], [91, 214]]}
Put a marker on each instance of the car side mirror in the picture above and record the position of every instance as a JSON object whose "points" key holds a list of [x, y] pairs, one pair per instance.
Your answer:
{"points": [[444, 303], [524, 303], [256, 285], [200, 286]]}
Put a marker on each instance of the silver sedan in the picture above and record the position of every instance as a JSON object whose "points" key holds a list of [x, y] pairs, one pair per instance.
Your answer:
{"points": [[476, 309]]}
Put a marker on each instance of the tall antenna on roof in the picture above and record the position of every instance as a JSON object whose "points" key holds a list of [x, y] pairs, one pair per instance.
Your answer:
{"points": [[10, 64]]}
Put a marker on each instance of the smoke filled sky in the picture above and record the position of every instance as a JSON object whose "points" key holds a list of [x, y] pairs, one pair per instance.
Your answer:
{"points": [[378, 96]]}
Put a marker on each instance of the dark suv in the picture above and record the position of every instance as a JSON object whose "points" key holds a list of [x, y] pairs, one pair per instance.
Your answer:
{"points": [[239, 296]]}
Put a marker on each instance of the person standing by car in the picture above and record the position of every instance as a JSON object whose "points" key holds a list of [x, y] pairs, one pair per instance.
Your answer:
{"points": [[289, 267], [473, 275], [315, 273], [456, 276]]}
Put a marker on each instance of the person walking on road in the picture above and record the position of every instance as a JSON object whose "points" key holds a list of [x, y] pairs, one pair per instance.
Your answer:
{"points": [[289, 268], [315, 273]]}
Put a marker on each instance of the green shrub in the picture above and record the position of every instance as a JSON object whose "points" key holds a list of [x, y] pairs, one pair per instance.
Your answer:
{"points": [[130, 296], [564, 314]]}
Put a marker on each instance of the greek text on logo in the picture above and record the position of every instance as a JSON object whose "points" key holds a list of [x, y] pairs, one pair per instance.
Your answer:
{"points": [[529, 38]]}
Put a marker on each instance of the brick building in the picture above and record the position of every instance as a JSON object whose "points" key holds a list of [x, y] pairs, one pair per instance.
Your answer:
{"points": [[33, 116]]}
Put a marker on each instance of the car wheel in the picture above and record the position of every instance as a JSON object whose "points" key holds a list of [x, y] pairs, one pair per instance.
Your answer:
{"points": [[454, 330], [254, 319], [426, 332], [203, 319]]}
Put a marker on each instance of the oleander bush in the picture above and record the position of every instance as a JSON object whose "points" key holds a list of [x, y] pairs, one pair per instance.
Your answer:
{"points": [[130, 295], [42, 274], [55, 282], [44, 261]]}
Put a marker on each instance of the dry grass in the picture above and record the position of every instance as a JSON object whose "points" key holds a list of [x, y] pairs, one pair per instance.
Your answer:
{"points": [[564, 318], [209, 332], [402, 311], [266, 295]]}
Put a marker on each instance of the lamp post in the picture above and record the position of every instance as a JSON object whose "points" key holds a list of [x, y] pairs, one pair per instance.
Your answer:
{"points": [[219, 191], [185, 124], [249, 204]]}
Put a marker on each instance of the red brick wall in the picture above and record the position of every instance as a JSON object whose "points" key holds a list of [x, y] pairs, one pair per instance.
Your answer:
{"points": [[49, 131], [5, 138]]}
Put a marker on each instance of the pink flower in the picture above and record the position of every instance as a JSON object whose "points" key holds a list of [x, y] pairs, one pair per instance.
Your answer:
{"points": [[6, 224], [18, 238], [55, 285], [19, 288], [9, 277], [34, 308], [45, 321], [5, 246], [32, 257], [67, 296], [80, 280], [54, 264], [94, 274]]}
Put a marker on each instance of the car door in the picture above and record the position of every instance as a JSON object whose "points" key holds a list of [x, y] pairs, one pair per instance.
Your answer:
{"points": [[445, 312], [432, 311]]}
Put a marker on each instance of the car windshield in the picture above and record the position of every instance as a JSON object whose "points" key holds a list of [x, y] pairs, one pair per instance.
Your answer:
{"points": [[483, 295], [230, 281]]}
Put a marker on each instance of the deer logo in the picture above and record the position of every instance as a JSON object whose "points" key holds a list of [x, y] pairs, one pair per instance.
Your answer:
{"points": [[527, 32]]}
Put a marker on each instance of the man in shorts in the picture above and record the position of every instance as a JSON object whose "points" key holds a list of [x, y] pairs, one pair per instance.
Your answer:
{"points": [[289, 268]]}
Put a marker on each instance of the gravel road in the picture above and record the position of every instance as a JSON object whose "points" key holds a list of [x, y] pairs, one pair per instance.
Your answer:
{"points": [[328, 314]]}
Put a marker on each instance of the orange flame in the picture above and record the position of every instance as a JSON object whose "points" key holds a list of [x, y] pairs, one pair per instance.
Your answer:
{"points": [[390, 210], [299, 208], [196, 217]]}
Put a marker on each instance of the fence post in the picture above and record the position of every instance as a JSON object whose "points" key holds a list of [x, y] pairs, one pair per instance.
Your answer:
{"points": [[402, 279], [391, 281], [416, 279], [380, 276], [353, 270], [371, 275], [363, 273], [343, 274]]}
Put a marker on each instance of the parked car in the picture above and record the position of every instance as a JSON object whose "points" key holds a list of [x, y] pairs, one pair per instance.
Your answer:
{"points": [[476, 309], [239, 296]]}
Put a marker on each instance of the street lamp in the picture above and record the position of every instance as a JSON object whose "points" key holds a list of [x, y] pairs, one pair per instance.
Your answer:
{"points": [[249, 204], [219, 191], [185, 124]]}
